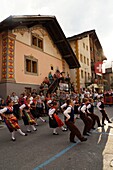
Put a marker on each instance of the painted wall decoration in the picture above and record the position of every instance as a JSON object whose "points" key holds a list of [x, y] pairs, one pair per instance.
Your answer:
{"points": [[8, 47]]}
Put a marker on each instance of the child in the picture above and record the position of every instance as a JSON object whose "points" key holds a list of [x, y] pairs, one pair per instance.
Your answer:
{"points": [[54, 120], [90, 111], [27, 117], [10, 120], [100, 106], [69, 121], [85, 118]]}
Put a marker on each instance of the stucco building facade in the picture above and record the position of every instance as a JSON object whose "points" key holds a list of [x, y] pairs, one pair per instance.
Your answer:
{"points": [[31, 47], [89, 51]]}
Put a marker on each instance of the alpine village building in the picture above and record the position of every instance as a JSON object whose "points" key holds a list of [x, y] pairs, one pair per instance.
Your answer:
{"points": [[30, 47], [88, 51], [33, 45]]}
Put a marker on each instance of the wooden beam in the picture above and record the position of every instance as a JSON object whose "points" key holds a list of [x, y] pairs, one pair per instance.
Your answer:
{"points": [[59, 41], [67, 56]]}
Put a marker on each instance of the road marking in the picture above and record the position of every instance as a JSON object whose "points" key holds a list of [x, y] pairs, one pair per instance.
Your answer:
{"points": [[56, 156], [64, 151], [104, 133], [2, 126]]}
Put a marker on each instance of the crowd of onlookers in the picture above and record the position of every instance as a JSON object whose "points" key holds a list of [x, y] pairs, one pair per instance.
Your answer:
{"points": [[31, 106], [51, 78], [42, 96]]}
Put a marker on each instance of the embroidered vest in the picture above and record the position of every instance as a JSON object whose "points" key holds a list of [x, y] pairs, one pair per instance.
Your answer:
{"points": [[71, 115]]}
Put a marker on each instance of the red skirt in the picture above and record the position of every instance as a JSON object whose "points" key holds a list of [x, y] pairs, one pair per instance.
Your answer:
{"points": [[58, 120], [11, 123]]}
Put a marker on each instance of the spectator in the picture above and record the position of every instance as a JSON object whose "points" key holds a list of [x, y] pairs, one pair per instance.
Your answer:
{"points": [[50, 77], [8, 99], [22, 100], [3, 104], [34, 93], [46, 81]]}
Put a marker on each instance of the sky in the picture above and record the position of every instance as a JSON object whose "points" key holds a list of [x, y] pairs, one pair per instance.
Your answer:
{"points": [[74, 17]]}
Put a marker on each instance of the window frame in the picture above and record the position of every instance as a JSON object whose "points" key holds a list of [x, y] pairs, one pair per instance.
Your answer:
{"points": [[84, 59], [81, 58], [39, 41], [82, 74], [32, 59]]}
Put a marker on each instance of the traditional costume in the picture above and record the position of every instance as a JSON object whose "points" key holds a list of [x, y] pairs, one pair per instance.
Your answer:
{"points": [[85, 118], [95, 118], [100, 106], [55, 121], [11, 121], [27, 117], [69, 121]]}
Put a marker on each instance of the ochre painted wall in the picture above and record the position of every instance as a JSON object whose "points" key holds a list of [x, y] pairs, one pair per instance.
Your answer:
{"points": [[44, 64]]}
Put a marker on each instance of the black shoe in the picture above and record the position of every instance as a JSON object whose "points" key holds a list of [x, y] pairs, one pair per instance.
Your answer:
{"points": [[55, 134], [64, 130], [25, 134], [93, 128], [103, 124], [72, 141], [86, 134], [100, 126], [83, 139], [89, 132], [34, 129], [28, 131], [109, 122], [13, 139]]}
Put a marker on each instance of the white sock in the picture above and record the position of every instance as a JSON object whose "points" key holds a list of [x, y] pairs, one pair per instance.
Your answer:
{"points": [[41, 119], [28, 128], [63, 128], [20, 131], [36, 121], [13, 135], [54, 130], [34, 128]]}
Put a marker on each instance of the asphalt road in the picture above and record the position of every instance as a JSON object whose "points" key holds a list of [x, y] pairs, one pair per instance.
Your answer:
{"points": [[41, 150]]}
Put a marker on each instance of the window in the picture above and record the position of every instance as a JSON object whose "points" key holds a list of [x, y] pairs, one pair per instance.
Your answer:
{"points": [[84, 59], [31, 65], [87, 47], [40, 43], [28, 65], [34, 66], [89, 76], [83, 45], [34, 40], [51, 67], [81, 58], [91, 49], [88, 61], [37, 41], [82, 74], [85, 76]]}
